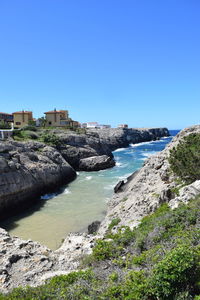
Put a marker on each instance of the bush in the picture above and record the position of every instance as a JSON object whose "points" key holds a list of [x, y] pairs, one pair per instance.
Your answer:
{"points": [[30, 128], [4, 125], [185, 158], [178, 271], [23, 134], [113, 223], [51, 139]]}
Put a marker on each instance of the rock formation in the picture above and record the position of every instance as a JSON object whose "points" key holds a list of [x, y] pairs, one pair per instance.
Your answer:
{"points": [[99, 142], [28, 170], [96, 163]]}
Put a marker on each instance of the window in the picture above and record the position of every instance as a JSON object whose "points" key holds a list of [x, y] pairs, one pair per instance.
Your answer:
{"points": [[18, 123], [49, 123]]}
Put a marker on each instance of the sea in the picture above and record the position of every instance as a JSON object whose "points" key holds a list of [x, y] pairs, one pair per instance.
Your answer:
{"points": [[76, 205]]}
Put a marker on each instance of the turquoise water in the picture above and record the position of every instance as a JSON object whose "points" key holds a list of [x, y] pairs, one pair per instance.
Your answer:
{"points": [[82, 201]]}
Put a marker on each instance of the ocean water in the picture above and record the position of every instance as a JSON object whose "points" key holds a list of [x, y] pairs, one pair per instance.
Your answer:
{"points": [[81, 202]]}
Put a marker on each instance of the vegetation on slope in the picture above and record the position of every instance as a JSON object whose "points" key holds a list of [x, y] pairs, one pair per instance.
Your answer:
{"points": [[44, 135], [185, 158], [158, 260]]}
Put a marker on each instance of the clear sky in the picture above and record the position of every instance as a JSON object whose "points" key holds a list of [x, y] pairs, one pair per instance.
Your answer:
{"points": [[111, 61]]}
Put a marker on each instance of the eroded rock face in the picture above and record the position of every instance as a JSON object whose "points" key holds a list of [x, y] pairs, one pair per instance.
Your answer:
{"points": [[28, 170], [76, 147], [29, 263], [121, 137], [99, 142]]}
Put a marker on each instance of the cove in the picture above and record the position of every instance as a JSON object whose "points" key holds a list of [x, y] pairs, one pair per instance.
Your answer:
{"points": [[81, 202]]}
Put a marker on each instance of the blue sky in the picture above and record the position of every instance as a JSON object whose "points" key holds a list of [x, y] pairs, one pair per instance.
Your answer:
{"points": [[111, 61]]}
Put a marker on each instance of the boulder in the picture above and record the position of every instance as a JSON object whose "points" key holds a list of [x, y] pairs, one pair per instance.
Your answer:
{"points": [[93, 227], [96, 163]]}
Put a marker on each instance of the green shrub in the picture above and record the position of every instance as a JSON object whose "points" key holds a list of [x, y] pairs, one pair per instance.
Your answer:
{"points": [[23, 134], [30, 127], [51, 139], [185, 158], [4, 125], [105, 250], [113, 223], [179, 270]]}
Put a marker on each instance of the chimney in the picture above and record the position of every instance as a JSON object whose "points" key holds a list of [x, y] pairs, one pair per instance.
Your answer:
{"points": [[55, 115]]}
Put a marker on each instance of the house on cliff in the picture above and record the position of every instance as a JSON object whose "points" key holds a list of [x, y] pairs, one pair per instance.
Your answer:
{"points": [[22, 118], [59, 118]]}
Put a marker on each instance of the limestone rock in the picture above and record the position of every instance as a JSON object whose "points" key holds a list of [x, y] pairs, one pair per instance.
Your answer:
{"points": [[96, 163]]}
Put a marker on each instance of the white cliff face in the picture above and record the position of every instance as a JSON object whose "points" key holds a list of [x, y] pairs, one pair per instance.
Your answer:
{"points": [[30, 263]]}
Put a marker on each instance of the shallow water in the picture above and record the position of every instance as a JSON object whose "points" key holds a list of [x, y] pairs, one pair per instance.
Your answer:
{"points": [[80, 202]]}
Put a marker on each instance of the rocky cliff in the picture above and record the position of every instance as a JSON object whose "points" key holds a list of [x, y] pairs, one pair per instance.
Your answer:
{"points": [[121, 137], [101, 142], [28, 170]]}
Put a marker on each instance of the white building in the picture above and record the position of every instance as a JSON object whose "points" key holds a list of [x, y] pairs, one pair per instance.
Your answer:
{"points": [[94, 125], [104, 126], [89, 125], [123, 126]]}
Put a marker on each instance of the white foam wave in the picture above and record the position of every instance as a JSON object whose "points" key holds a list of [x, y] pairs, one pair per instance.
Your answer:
{"points": [[119, 149], [148, 154], [66, 191], [88, 177], [77, 173], [140, 144], [124, 176]]}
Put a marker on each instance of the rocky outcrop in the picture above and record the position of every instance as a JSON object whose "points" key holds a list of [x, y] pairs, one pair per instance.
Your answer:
{"points": [[28, 170], [93, 227], [98, 142], [96, 163], [76, 147], [29, 263], [121, 137]]}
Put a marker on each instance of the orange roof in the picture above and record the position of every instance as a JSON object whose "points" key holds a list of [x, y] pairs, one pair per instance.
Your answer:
{"points": [[23, 112], [55, 111]]}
